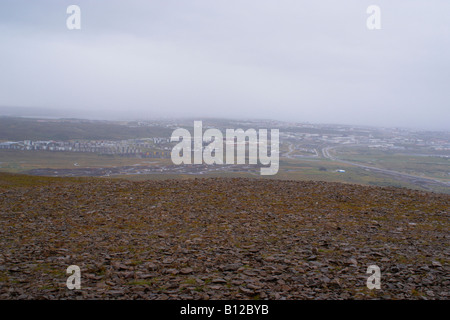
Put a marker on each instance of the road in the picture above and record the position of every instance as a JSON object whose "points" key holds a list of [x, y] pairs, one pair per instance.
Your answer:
{"points": [[291, 149], [416, 180]]}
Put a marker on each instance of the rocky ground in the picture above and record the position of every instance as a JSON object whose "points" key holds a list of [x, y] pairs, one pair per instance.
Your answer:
{"points": [[222, 239]]}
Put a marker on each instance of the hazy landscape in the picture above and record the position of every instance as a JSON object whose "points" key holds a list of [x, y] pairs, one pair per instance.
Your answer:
{"points": [[140, 150], [225, 150], [141, 227]]}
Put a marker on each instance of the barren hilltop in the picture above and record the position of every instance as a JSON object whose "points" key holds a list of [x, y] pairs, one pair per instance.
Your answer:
{"points": [[220, 238]]}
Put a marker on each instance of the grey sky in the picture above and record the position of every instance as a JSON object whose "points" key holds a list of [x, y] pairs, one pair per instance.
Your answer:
{"points": [[293, 60]]}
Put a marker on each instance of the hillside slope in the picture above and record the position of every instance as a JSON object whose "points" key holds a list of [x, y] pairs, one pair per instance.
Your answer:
{"points": [[222, 239]]}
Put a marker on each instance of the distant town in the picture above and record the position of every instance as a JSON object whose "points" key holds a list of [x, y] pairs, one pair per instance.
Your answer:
{"points": [[301, 139], [133, 147], [355, 154]]}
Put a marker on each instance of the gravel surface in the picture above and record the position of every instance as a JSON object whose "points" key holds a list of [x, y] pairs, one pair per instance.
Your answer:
{"points": [[222, 239]]}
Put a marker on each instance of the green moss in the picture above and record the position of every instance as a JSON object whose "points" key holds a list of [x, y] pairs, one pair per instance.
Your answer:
{"points": [[141, 282]]}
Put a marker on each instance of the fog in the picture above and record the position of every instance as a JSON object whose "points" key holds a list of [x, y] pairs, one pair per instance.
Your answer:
{"points": [[304, 61]]}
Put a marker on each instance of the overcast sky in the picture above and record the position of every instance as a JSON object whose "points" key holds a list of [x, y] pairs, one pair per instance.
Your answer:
{"points": [[306, 61]]}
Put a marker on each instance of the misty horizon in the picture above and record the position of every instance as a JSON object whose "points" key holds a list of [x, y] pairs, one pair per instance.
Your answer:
{"points": [[291, 61], [45, 113]]}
